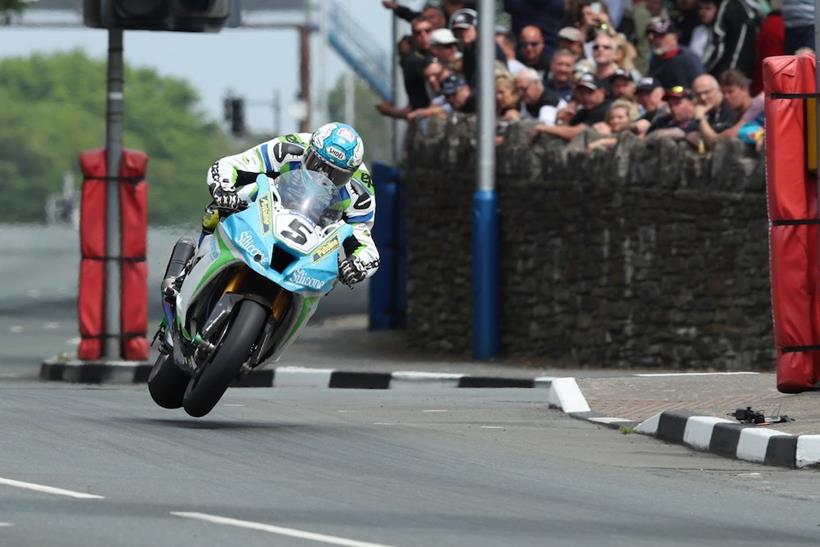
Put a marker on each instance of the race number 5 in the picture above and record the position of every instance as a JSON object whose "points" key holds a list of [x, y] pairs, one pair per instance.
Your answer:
{"points": [[298, 232]]}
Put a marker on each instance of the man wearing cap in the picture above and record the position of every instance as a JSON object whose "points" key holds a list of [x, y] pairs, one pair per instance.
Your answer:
{"points": [[559, 79], [531, 49], [672, 64], [463, 25], [622, 85], [444, 47], [649, 95], [458, 93], [570, 38], [712, 112], [592, 99], [681, 118], [536, 101]]}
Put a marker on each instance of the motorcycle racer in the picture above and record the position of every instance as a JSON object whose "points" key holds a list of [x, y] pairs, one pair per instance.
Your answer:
{"points": [[334, 149]]}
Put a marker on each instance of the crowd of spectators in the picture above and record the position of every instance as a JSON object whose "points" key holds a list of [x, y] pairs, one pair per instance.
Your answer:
{"points": [[688, 70]]}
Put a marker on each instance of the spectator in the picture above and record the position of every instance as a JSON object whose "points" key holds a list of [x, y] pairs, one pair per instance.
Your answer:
{"points": [[712, 112], [547, 15], [702, 33], [771, 41], [532, 54], [570, 38], [622, 85], [507, 99], [463, 24], [735, 87], [458, 93], [649, 96], [685, 18], [559, 80], [603, 53], [593, 108], [452, 6], [798, 18], [732, 39], [537, 101], [671, 64], [625, 54], [591, 16], [643, 13], [506, 42], [619, 119], [444, 47], [681, 118], [430, 12], [412, 64], [434, 74]]}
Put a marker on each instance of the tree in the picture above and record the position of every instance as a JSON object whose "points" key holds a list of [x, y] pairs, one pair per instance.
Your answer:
{"points": [[54, 108]]}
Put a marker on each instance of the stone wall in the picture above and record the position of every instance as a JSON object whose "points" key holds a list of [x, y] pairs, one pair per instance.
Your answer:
{"points": [[648, 255]]}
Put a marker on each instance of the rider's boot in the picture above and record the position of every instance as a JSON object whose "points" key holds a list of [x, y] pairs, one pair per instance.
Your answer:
{"points": [[184, 249]]}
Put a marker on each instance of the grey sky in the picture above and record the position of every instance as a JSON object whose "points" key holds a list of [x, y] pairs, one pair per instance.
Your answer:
{"points": [[253, 63]]}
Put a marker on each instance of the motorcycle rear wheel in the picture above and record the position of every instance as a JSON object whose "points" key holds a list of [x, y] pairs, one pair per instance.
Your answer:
{"points": [[167, 382], [207, 387]]}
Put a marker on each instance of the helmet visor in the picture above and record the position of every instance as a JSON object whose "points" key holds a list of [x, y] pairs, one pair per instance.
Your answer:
{"points": [[313, 162]]}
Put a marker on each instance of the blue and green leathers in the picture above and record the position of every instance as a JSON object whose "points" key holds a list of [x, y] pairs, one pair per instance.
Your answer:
{"points": [[285, 153]]}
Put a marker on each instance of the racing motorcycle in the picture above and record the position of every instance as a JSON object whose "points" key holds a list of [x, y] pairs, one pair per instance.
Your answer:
{"points": [[249, 288]]}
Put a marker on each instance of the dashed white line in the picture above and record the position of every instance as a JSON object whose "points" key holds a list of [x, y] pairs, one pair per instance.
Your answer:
{"points": [[49, 489], [492, 427], [435, 410], [5, 524], [384, 423], [670, 374], [290, 532]]}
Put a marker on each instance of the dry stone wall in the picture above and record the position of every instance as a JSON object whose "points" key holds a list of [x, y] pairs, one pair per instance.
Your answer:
{"points": [[647, 255]]}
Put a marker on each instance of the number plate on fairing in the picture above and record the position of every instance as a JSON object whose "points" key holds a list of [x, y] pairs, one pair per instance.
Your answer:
{"points": [[296, 231]]}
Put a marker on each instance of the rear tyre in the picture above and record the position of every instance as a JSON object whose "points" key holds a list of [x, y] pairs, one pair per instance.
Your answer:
{"points": [[207, 387], [167, 382]]}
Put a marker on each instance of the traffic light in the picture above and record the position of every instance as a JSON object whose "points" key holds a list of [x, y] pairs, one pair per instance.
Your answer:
{"points": [[235, 115], [176, 15]]}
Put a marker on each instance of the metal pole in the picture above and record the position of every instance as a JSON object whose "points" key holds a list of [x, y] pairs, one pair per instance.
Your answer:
{"points": [[485, 218], [304, 76], [113, 146], [350, 83], [399, 96]]}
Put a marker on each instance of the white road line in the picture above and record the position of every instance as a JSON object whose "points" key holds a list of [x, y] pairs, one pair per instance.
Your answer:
{"points": [[434, 410], [492, 427], [384, 423], [290, 532], [5, 524], [668, 374], [49, 489]]}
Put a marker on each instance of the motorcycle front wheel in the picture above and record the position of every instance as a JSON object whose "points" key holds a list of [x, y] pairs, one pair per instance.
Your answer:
{"points": [[167, 382], [207, 386]]}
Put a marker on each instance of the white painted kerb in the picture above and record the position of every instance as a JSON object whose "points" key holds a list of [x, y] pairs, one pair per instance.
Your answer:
{"points": [[565, 394]]}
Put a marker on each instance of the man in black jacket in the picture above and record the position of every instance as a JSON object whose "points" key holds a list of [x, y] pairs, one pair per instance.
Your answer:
{"points": [[733, 26], [672, 64]]}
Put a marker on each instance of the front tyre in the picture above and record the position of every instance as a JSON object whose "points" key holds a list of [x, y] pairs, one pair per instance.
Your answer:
{"points": [[207, 387], [167, 382]]}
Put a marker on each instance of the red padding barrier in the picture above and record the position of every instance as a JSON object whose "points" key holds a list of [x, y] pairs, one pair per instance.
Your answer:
{"points": [[792, 200], [134, 272], [134, 279], [91, 294]]}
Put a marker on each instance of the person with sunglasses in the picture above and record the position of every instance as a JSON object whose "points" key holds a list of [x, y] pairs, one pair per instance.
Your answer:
{"points": [[531, 49]]}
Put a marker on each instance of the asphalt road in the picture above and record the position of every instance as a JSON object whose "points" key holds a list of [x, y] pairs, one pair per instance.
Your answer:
{"points": [[461, 467]]}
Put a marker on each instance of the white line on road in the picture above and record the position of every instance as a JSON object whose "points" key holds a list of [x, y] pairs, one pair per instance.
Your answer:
{"points": [[49, 489], [665, 374], [290, 532], [435, 410], [384, 423], [5, 524], [492, 427]]}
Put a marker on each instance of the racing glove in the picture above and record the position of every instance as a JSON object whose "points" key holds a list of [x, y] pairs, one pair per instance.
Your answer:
{"points": [[352, 271], [227, 199]]}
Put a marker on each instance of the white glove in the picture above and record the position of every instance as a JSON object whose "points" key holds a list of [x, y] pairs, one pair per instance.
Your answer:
{"points": [[352, 271]]}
